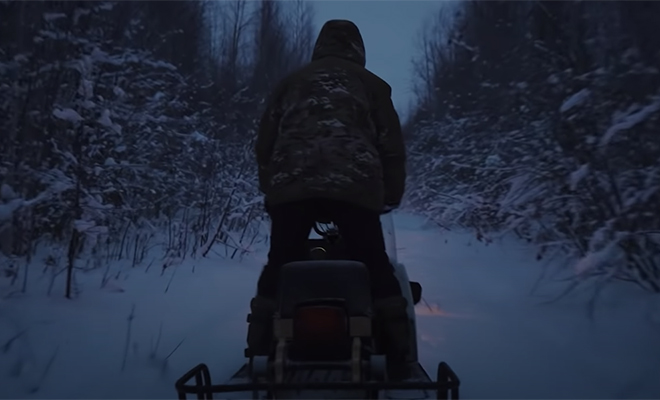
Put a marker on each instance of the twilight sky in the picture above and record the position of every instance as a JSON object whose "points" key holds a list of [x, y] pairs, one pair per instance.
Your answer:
{"points": [[389, 29]]}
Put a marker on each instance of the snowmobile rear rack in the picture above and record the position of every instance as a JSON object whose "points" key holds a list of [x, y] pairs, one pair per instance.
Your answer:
{"points": [[446, 385]]}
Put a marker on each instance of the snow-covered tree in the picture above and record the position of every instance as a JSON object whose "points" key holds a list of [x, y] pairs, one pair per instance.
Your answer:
{"points": [[119, 121], [542, 118]]}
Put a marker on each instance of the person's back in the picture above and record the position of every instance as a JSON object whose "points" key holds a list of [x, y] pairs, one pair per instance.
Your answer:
{"points": [[330, 144], [331, 130]]}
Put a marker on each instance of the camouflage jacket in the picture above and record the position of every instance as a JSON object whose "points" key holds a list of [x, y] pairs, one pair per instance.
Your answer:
{"points": [[330, 130]]}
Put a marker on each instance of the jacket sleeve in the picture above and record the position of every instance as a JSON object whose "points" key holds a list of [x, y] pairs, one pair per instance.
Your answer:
{"points": [[266, 137], [391, 147]]}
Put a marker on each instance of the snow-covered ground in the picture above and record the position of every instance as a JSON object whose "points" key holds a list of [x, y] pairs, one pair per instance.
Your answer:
{"points": [[479, 314]]}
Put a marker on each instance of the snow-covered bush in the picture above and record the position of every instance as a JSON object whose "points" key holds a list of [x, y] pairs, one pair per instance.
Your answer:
{"points": [[543, 119], [124, 120]]}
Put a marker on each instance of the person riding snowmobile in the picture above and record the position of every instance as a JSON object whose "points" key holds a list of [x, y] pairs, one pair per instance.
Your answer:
{"points": [[330, 146]]}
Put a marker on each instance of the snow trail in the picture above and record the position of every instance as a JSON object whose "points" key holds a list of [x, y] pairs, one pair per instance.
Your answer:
{"points": [[502, 338], [478, 314]]}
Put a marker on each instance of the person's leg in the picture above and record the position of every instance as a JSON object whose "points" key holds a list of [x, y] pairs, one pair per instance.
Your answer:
{"points": [[362, 231], [289, 230], [290, 227]]}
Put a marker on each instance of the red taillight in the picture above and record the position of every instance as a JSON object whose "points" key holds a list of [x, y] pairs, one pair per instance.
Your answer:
{"points": [[320, 324]]}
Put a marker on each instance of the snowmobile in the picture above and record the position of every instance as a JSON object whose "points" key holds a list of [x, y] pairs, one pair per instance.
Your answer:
{"points": [[325, 341]]}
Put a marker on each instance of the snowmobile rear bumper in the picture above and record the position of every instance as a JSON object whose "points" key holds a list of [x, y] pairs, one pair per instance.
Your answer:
{"points": [[446, 385]]}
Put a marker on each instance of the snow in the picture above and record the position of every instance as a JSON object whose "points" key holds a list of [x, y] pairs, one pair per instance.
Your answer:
{"points": [[99, 55], [105, 120], [578, 175], [493, 161], [7, 192], [553, 79], [119, 92], [480, 314], [53, 16], [595, 259], [79, 12], [7, 209], [575, 100], [630, 120], [106, 6], [67, 114], [199, 137]]}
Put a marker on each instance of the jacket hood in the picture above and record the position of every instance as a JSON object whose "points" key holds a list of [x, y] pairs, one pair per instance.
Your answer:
{"points": [[342, 39]]}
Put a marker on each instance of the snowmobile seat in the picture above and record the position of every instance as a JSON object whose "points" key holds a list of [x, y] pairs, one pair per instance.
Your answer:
{"points": [[304, 281]]}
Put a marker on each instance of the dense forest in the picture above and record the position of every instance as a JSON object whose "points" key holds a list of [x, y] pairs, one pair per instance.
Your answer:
{"points": [[121, 120], [542, 119]]}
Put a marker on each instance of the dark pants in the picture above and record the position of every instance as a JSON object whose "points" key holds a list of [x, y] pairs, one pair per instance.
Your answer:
{"points": [[360, 229]]}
